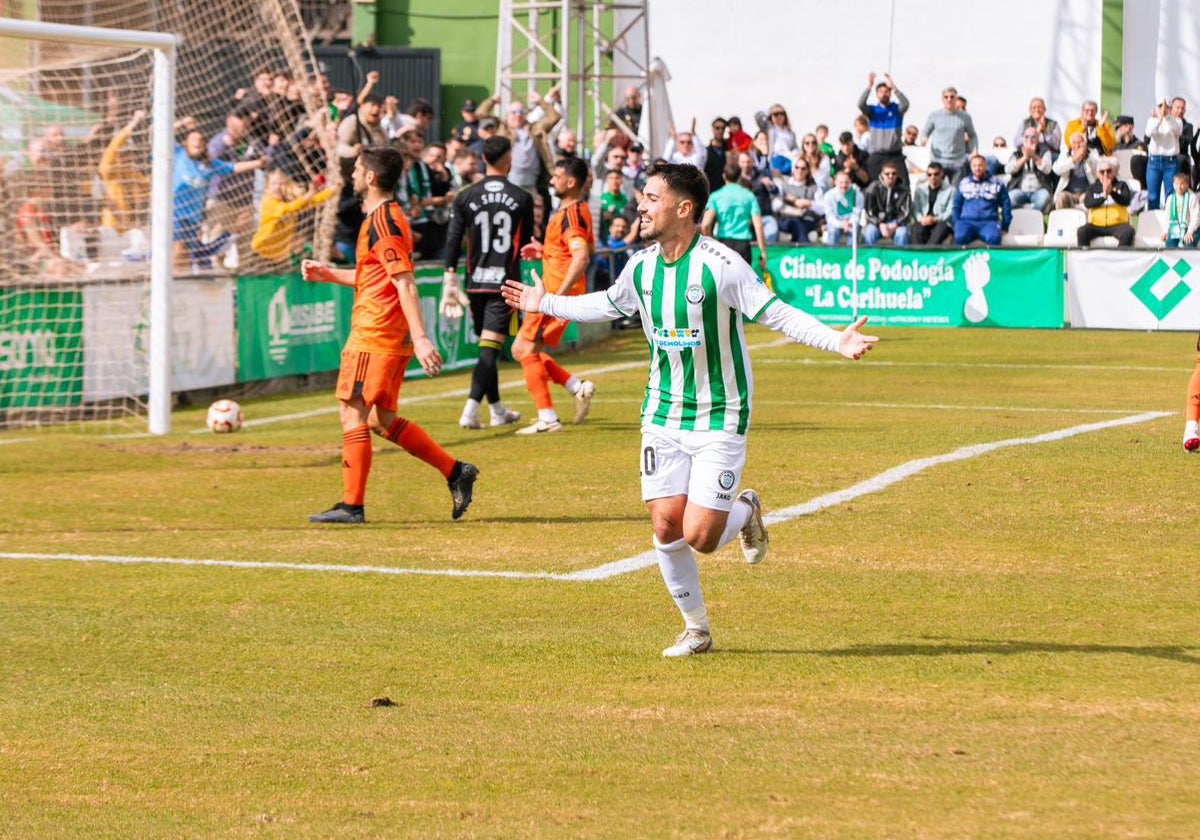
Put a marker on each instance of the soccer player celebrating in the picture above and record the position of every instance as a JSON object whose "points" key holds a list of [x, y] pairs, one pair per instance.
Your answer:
{"points": [[386, 331], [568, 249], [692, 294], [497, 218]]}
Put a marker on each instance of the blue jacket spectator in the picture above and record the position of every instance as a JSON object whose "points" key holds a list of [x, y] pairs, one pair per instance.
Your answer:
{"points": [[982, 209], [885, 121]]}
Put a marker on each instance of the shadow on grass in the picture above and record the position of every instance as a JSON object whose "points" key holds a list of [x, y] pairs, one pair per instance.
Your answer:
{"points": [[991, 647]]}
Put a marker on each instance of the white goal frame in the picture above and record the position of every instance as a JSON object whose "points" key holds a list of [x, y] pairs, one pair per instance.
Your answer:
{"points": [[164, 46]]}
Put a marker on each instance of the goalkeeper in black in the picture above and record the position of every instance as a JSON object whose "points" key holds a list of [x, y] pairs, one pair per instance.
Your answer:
{"points": [[496, 216]]}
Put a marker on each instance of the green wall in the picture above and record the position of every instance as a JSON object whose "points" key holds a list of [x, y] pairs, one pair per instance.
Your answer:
{"points": [[1112, 55], [464, 30]]}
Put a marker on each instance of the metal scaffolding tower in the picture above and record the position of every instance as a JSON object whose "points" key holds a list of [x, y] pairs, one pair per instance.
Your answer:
{"points": [[591, 49]]}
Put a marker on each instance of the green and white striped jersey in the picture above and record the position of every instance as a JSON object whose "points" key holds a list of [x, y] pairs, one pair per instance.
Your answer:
{"points": [[692, 313]]}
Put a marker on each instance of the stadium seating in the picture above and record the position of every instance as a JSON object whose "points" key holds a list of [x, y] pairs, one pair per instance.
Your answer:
{"points": [[1151, 228], [1027, 229], [1061, 227]]}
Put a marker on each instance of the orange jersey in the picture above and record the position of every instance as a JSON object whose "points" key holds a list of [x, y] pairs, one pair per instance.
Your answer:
{"points": [[569, 229], [383, 251]]}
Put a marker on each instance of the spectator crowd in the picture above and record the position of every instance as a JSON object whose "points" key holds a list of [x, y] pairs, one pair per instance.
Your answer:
{"points": [[246, 190]]}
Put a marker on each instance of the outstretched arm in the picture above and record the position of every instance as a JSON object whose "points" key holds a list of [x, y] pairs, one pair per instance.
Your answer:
{"points": [[315, 272], [805, 329], [591, 307]]}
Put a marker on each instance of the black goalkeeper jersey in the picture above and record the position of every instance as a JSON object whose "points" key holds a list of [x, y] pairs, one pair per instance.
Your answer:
{"points": [[496, 216]]}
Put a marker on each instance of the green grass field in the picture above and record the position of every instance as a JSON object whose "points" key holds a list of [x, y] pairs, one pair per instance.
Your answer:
{"points": [[1002, 645]]}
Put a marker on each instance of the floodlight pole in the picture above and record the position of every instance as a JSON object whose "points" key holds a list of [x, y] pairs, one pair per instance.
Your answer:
{"points": [[163, 157]]}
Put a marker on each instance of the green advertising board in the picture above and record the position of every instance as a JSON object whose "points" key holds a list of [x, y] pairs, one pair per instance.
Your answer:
{"points": [[903, 287], [41, 348], [286, 326]]}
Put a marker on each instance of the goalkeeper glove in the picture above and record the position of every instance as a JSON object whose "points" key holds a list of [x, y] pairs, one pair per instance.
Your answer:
{"points": [[453, 298]]}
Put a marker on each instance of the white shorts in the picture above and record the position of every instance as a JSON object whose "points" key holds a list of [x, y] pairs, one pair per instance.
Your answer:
{"points": [[704, 466]]}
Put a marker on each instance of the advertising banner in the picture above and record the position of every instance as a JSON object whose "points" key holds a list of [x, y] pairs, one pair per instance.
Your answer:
{"points": [[1134, 290], [116, 337], [287, 326], [41, 348], [903, 287]]}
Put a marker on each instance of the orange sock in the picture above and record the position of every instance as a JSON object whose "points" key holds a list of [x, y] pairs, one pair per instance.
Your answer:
{"points": [[557, 373], [1193, 394], [416, 442], [356, 464], [537, 380]]}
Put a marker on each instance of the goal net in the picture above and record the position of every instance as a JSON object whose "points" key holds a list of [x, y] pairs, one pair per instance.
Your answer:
{"points": [[75, 196]]}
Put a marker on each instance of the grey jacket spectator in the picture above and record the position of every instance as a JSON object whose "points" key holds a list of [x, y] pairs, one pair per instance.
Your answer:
{"points": [[951, 135]]}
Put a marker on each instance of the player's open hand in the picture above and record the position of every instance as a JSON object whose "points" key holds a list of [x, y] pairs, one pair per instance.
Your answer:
{"points": [[853, 344], [523, 297]]}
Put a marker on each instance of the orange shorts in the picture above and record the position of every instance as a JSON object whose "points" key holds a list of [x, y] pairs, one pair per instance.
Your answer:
{"points": [[375, 378], [538, 327]]}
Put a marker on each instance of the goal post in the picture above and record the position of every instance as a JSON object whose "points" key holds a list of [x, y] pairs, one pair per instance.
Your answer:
{"points": [[116, 302], [162, 156]]}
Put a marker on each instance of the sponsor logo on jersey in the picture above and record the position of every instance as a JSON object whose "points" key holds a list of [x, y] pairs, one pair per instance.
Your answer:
{"points": [[694, 294], [673, 339], [490, 275], [726, 479], [493, 186]]}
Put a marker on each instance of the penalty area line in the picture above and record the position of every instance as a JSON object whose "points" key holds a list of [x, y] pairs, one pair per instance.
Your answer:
{"points": [[881, 482], [875, 484]]}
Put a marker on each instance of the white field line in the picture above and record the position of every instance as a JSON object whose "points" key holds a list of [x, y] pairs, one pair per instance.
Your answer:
{"points": [[640, 561], [972, 407], [441, 395], [802, 360], [462, 392]]}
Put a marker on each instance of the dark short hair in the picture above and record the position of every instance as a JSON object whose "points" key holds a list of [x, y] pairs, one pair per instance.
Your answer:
{"points": [[574, 168], [686, 181], [731, 172], [373, 99], [936, 167], [385, 162], [420, 107], [495, 148], [845, 137]]}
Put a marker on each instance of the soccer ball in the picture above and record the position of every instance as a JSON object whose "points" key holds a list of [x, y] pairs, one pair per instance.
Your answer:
{"points": [[224, 416]]}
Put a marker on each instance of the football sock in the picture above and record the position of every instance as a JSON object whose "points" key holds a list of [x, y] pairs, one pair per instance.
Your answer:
{"points": [[498, 408], [1193, 394], [681, 574], [485, 381], [558, 374], [572, 384], [416, 442], [536, 381], [471, 409], [356, 464], [739, 515], [1191, 429]]}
